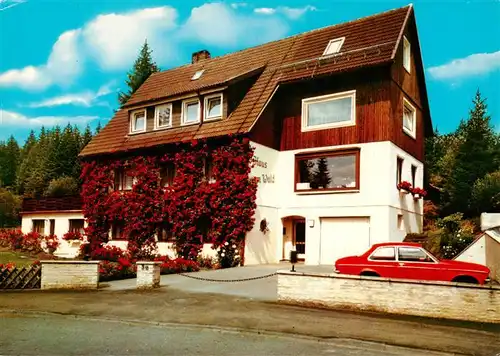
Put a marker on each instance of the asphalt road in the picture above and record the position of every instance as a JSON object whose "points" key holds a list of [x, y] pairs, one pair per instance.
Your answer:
{"points": [[63, 335]]}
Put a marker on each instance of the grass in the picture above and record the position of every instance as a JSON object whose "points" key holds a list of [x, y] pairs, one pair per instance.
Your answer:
{"points": [[19, 258]]}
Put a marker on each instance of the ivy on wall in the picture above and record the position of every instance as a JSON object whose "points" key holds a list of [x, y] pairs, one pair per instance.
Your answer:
{"points": [[196, 210]]}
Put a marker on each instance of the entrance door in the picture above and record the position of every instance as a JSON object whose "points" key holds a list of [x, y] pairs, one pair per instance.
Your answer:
{"points": [[300, 239]]}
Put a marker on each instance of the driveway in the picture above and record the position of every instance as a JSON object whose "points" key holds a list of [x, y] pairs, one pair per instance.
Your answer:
{"points": [[264, 289]]}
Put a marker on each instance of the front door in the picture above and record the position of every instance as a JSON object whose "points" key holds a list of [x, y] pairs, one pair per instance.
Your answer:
{"points": [[300, 239]]}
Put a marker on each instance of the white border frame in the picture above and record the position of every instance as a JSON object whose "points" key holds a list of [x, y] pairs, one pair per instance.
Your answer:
{"points": [[318, 99], [183, 110], [131, 121], [411, 133], [205, 107], [156, 126], [406, 47], [341, 39]]}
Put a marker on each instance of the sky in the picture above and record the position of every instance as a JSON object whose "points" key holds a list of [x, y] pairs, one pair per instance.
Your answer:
{"points": [[64, 61]]}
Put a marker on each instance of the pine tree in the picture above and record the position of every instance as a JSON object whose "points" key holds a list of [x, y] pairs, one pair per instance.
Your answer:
{"points": [[98, 128], [477, 155], [321, 175], [143, 67], [9, 163], [87, 136]]}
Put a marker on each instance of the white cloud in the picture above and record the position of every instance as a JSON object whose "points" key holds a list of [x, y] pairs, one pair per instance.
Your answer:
{"points": [[7, 4], [86, 98], [114, 39], [265, 10], [13, 119], [236, 5], [292, 13], [475, 64], [63, 66], [219, 25]]}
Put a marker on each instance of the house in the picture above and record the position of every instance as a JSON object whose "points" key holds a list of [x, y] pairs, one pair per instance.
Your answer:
{"points": [[485, 249], [337, 117], [54, 216]]}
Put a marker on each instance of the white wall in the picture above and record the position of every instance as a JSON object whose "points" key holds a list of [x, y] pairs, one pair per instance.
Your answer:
{"points": [[377, 198], [165, 248], [475, 253], [61, 221]]}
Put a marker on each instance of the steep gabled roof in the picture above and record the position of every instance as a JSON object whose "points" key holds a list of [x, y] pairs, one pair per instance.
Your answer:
{"points": [[368, 41]]}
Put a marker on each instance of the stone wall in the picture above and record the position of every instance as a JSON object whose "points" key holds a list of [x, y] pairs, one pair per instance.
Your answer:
{"points": [[148, 274], [70, 274], [421, 298]]}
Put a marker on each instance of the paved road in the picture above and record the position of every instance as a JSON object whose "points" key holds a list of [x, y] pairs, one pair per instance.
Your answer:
{"points": [[260, 289], [58, 335]]}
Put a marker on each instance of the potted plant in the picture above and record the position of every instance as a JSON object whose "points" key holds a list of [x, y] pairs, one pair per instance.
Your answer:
{"points": [[418, 193], [404, 187]]}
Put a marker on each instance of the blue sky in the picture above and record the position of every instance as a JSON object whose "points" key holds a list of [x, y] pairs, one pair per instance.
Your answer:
{"points": [[64, 61]]}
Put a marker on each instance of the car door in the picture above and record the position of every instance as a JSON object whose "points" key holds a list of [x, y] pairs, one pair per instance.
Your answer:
{"points": [[383, 262], [416, 263]]}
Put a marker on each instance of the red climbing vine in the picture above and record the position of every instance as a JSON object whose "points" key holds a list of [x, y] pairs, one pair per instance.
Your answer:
{"points": [[194, 208]]}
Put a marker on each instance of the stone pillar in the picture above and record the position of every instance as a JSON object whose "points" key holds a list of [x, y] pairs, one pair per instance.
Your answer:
{"points": [[148, 274]]}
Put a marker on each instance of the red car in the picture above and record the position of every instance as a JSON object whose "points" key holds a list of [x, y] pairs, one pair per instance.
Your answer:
{"points": [[410, 261]]}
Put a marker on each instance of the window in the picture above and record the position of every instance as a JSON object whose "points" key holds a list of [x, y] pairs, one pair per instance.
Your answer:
{"points": [[406, 54], [76, 225], [198, 74], [413, 175], [190, 111], [327, 171], [52, 224], [329, 111], [165, 234], [413, 254], [138, 121], [123, 181], [117, 231], [167, 174], [213, 107], [163, 116], [409, 118], [208, 170], [383, 254], [334, 46], [38, 226], [399, 170]]}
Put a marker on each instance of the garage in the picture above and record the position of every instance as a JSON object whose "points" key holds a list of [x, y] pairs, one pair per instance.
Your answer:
{"points": [[343, 236]]}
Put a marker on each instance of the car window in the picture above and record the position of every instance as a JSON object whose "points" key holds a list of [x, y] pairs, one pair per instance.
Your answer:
{"points": [[413, 254], [383, 254]]}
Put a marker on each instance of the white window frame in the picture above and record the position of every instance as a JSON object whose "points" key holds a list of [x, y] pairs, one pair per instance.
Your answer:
{"points": [[406, 54], [413, 132], [205, 107], [131, 119], [318, 99], [157, 118], [380, 248], [183, 111], [341, 40]]}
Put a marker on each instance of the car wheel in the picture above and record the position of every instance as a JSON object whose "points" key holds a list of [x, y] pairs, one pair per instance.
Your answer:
{"points": [[465, 279], [369, 274]]}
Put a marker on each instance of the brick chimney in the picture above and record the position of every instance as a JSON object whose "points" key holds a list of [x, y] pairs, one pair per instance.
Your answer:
{"points": [[200, 56]]}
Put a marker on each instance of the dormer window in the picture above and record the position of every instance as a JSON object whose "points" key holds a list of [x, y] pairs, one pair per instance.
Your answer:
{"points": [[138, 121], [406, 54], [163, 116], [190, 111], [334, 46], [213, 107], [198, 74]]}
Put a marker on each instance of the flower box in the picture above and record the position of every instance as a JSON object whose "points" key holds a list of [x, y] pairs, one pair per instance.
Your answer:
{"points": [[404, 187]]}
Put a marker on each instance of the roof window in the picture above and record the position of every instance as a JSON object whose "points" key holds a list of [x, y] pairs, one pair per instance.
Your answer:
{"points": [[198, 74], [334, 46]]}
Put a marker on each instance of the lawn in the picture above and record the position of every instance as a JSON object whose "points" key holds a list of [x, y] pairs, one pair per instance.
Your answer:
{"points": [[19, 258]]}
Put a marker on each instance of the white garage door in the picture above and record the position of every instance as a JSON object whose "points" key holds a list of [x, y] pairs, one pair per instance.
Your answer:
{"points": [[342, 237]]}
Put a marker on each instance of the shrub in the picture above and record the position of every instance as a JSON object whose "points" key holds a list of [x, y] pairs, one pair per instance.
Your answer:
{"points": [[107, 253], [453, 244], [62, 186], [123, 268], [228, 255], [177, 265], [207, 262], [73, 235]]}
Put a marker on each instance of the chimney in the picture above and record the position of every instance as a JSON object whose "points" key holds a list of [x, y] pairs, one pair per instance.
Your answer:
{"points": [[200, 56]]}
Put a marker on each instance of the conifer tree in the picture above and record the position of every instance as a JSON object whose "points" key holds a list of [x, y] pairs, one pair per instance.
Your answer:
{"points": [[321, 175], [143, 67]]}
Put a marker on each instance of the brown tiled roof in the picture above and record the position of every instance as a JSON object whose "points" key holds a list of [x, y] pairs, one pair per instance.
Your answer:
{"points": [[368, 41], [66, 203]]}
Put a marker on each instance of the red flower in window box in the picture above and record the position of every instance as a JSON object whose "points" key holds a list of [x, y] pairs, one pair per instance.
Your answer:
{"points": [[418, 193], [404, 187]]}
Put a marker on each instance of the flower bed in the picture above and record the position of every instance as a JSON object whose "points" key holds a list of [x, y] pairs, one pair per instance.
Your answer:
{"points": [[177, 265]]}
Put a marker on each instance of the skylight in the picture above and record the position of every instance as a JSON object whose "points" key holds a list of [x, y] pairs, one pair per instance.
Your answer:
{"points": [[334, 46], [198, 74]]}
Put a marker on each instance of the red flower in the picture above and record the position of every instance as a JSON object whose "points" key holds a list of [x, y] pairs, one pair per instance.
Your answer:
{"points": [[404, 185]]}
